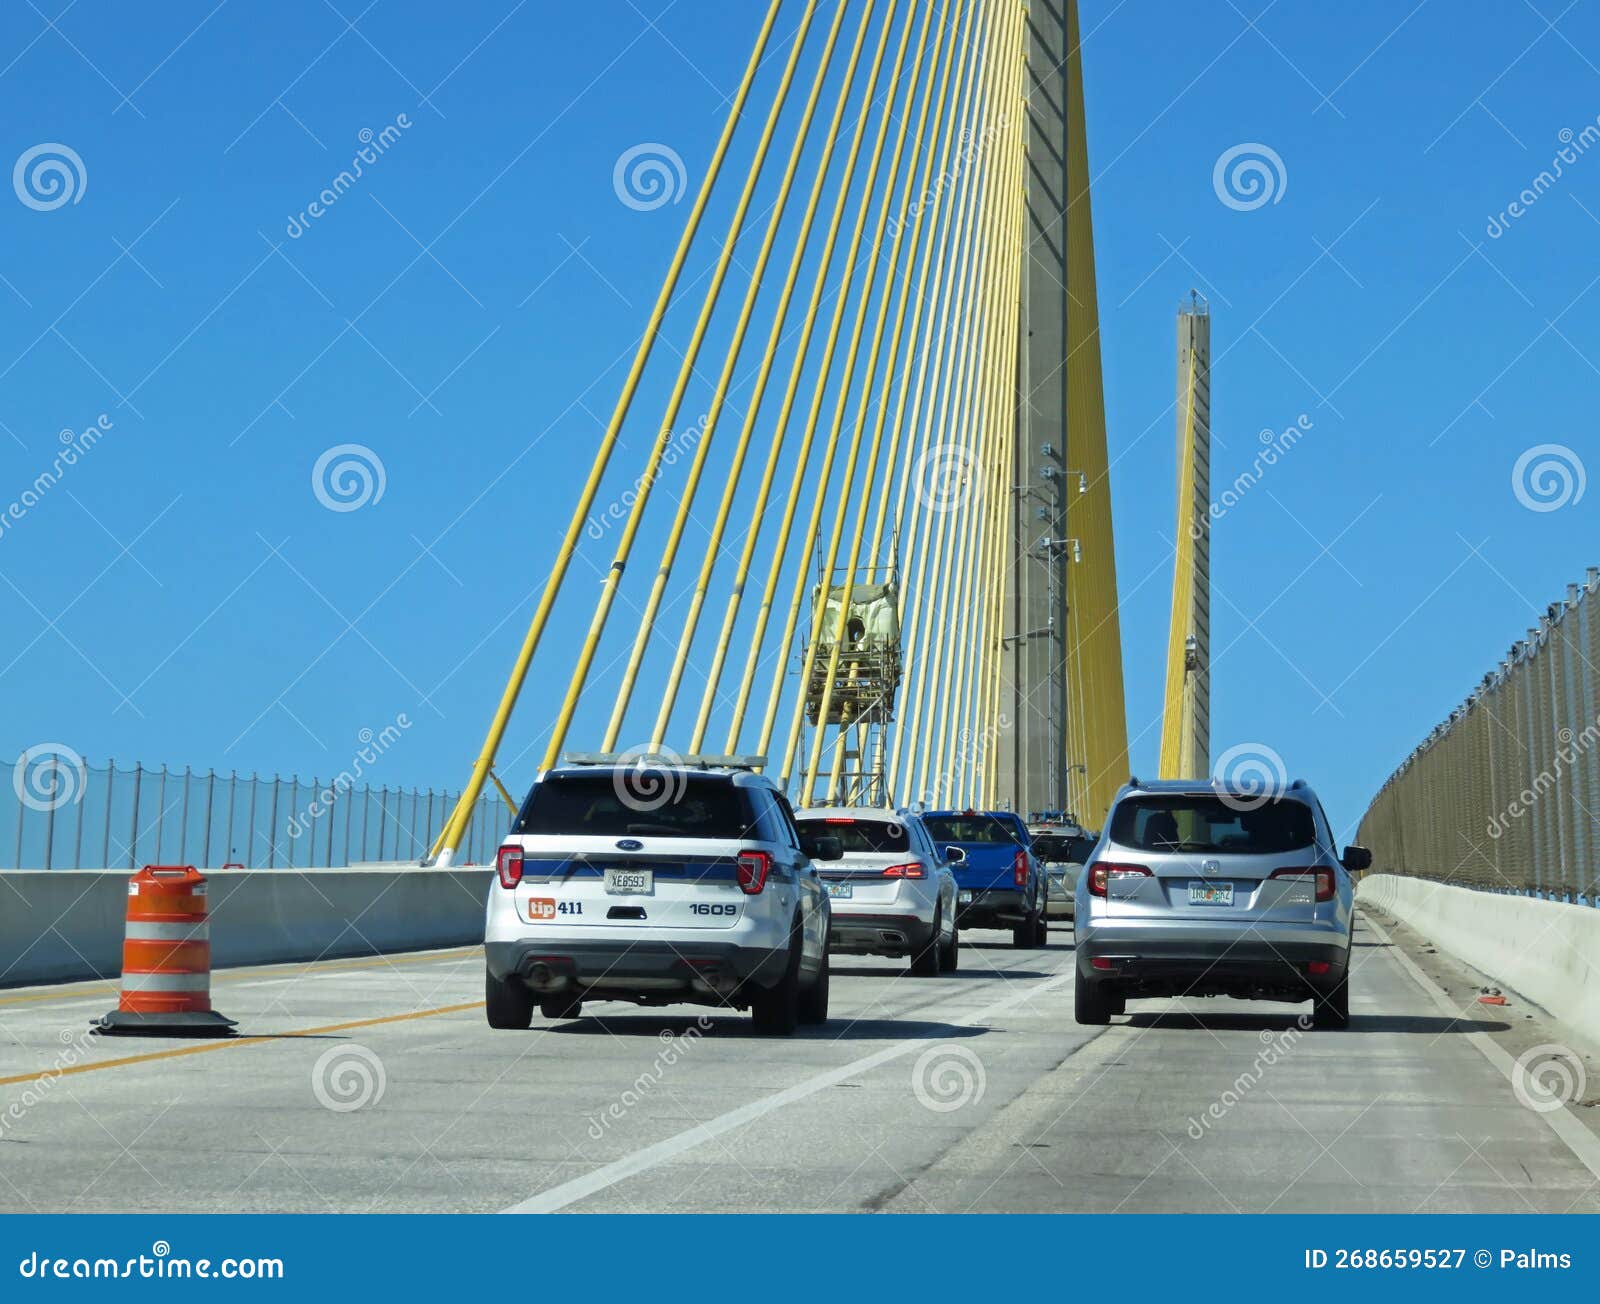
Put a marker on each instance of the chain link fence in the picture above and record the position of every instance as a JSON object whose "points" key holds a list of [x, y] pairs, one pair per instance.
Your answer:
{"points": [[1504, 795], [58, 812]]}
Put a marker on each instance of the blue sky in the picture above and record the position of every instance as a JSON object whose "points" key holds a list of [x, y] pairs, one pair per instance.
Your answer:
{"points": [[468, 308]]}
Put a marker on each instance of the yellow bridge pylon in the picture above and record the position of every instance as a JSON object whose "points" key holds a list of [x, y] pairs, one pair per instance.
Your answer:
{"points": [[1186, 719]]}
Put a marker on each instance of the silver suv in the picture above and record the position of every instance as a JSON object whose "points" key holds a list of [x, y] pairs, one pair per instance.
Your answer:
{"points": [[892, 893], [1205, 889]]}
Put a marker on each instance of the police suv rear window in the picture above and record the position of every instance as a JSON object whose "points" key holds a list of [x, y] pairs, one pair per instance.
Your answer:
{"points": [[860, 835], [635, 803], [1204, 823]]}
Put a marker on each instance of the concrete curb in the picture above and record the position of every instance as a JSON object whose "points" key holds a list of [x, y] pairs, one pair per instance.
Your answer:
{"points": [[1546, 951], [64, 925]]}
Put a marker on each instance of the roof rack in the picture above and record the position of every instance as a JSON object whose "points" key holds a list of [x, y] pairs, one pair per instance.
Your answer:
{"points": [[666, 760]]}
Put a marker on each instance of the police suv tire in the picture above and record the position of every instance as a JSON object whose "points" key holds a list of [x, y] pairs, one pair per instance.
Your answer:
{"points": [[507, 1002], [776, 1009], [814, 1000]]}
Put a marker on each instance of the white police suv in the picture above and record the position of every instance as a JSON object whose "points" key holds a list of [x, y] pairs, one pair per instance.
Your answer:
{"points": [[658, 880]]}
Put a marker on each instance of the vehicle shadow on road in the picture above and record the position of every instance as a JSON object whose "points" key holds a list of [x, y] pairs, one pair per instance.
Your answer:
{"points": [[847, 1029], [966, 971], [1424, 1024], [1427, 1024], [738, 1025], [1055, 943]]}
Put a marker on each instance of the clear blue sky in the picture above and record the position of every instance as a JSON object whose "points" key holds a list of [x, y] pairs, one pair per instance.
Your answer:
{"points": [[181, 595]]}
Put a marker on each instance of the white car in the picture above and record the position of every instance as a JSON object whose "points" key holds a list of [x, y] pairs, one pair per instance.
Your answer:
{"points": [[658, 882], [893, 893]]}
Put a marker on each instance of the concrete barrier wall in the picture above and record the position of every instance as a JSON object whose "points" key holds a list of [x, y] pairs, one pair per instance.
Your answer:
{"points": [[1546, 951], [68, 924]]}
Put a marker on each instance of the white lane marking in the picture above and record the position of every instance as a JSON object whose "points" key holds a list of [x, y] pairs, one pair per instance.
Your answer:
{"points": [[1582, 1142], [579, 1188]]}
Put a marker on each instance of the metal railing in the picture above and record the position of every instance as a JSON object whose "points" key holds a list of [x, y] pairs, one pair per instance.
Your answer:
{"points": [[1504, 795], [58, 812]]}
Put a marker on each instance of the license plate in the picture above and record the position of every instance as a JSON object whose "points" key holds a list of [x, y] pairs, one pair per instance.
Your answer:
{"points": [[1211, 894], [841, 891], [630, 882], [963, 898]]}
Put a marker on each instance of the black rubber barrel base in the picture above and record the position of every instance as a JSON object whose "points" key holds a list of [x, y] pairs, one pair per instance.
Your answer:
{"points": [[121, 1023]]}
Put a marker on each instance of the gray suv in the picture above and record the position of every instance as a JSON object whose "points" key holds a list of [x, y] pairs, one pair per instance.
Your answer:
{"points": [[1204, 889]]}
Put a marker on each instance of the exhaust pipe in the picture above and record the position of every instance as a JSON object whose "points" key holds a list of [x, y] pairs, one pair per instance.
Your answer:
{"points": [[545, 979]]}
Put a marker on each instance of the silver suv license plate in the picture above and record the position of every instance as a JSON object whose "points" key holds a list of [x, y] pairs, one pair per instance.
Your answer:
{"points": [[1211, 894], [630, 882]]}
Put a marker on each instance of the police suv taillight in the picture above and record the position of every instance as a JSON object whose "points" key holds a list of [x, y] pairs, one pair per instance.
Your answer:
{"points": [[508, 864], [752, 869]]}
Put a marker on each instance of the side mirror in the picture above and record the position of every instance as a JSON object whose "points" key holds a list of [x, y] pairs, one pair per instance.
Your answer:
{"points": [[955, 855], [1357, 859], [822, 846]]}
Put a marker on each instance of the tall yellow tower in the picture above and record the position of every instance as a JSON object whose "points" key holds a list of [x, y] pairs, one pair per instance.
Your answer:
{"points": [[1186, 720]]}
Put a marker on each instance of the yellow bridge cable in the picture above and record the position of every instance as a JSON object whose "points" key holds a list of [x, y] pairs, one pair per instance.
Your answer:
{"points": [[719, 396], [841, 404], [830, 346], [933, 337], [983, 710], [954, 634], [986, 704], [450, 836], [897, 338], [950, 369], [960, 234], [752, 412], [953, 760], [795, 490], [630, 528], [1013, 396], [791, 389], [943, 235], [974, 724], [863, 492], [918, 357]]}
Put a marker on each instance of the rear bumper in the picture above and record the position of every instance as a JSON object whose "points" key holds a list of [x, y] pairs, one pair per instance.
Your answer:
{"points": [[691, 966], [878, 934], [993, 907], [1213, 962]]}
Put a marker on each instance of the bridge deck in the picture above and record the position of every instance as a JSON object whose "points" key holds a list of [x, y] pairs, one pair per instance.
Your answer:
{"points": [[1403, 1112]]}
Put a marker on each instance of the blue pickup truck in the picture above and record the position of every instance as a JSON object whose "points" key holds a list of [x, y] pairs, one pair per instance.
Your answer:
{"points": [[999, 881]]}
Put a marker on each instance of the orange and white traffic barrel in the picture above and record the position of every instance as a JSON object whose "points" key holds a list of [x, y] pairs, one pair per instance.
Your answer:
{"points": [[166, 958]]}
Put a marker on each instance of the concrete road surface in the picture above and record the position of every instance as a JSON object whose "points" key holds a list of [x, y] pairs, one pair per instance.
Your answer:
{"points": [[376, 1086]]}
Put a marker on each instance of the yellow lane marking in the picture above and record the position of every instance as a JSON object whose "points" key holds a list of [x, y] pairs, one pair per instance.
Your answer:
{"points": [[223, 976], [203, 1047], [102, 989]]}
